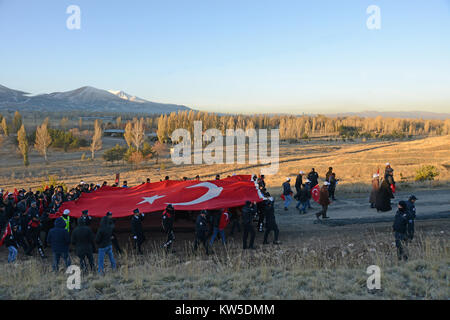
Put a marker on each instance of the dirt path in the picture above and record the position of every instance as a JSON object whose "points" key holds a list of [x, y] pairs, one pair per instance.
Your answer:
{"points": [[432, 204]]}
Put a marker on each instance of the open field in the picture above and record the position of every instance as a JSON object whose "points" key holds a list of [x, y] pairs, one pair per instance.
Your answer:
{"points": [[316, 264], [353, 162], [314, 261]]}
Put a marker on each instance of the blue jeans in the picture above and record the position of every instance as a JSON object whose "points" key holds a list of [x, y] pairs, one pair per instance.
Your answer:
{"points": [[101, 258], [12, 254], [287, 201], [57, 256], [303, 204], [215, 232]]}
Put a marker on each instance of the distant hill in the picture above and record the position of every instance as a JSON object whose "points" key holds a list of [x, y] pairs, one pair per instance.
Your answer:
{"points": [[394, 114], [82, 99]]}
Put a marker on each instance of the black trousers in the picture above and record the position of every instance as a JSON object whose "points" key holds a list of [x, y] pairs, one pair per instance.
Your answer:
{"points": [[90, 258], [260, 221], [170, 239], [269, 228], [34, 241], [322, 212], [248, 228], [410, 231], [400, 240], [138, 243], [201, 238]]}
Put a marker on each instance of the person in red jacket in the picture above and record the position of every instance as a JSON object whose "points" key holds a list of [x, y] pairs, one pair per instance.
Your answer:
{"points": [[224, 220]]}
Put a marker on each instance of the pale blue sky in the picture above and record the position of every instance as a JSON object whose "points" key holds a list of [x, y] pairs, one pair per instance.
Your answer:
{"points": [[235, 56]]}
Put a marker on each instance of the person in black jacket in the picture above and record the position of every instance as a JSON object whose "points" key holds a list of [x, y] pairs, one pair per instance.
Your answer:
{"points": [[136, 230], [85, 218], [248, 213], [33, 234], [201, 231], [302, 198], [83, 240], [299, 182], [103, 240], [400, 227], [313, 176], [271, 224], [383, 198], [410, 205], [58, 238], [167, 224]]}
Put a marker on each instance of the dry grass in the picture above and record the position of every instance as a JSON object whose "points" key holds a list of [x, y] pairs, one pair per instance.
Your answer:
{"points": [[354, 164], [334, 270]]}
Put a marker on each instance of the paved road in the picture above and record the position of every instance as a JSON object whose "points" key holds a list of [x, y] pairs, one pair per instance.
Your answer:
{"points": [[432, 204]]}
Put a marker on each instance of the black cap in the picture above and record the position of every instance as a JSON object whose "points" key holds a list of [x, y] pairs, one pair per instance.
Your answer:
{"points": [[169, 206], [136, 211], [402, 204], [247, 203], [84, 212], [108, 214], [203, 212], [413, 197]]}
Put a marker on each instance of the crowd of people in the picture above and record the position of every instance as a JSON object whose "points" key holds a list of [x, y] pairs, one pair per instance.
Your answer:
{"points": [[305, 186], [28, 216]]}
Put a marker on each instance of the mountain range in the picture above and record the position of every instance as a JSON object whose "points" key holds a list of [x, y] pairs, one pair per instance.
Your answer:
{"points": [[82, 99], [425, 115]]}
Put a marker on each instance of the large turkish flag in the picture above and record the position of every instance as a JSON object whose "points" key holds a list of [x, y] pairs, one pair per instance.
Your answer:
{"points": [[151, 197]]}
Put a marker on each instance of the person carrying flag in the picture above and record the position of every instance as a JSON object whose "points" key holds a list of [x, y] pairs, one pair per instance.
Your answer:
{"points": [[136, 230], [167, 224], [201, 231], [220, 229]]}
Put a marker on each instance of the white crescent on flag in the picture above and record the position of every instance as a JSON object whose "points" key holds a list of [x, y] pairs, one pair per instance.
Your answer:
{"points": [[213, 192]]}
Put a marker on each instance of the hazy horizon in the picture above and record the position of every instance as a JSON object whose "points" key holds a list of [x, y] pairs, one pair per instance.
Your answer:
{"points": [[236, 57]]}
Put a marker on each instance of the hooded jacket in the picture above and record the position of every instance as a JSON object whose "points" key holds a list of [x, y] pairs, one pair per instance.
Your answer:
{"points": [[83, 239], [58, 237], [104, 233]]}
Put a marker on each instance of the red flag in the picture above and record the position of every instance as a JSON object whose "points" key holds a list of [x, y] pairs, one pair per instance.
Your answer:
{"points": [[315, 193], [5, 234], [117, 178], [152, 197], [393, 188], [5, 195], [15, 194]]}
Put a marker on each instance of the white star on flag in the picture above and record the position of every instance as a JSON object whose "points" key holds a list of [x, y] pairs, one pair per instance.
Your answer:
{"points": [[150, 199]]}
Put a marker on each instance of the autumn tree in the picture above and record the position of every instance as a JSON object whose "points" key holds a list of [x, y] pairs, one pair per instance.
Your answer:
{"points": [[97, 138], [23, 144], [43, 140], [5, 127], [138, 131], [159, 149], [17, 121]]}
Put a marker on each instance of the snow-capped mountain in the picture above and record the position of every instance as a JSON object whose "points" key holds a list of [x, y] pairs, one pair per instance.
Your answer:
{"points": [[126, 96], [84, 98], [10, 95]]}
